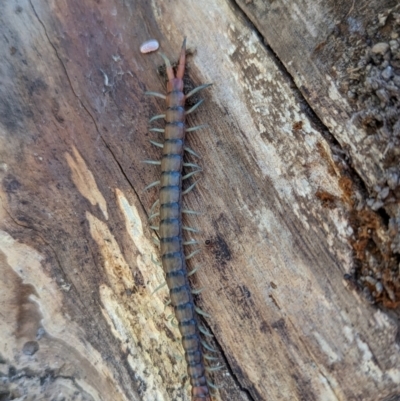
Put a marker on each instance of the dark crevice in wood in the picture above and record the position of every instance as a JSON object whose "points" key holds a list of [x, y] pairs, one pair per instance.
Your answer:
{"points": [[123, 172], [334, 145], [306, 107], [228, 366], [14, 220], [384, 216]]}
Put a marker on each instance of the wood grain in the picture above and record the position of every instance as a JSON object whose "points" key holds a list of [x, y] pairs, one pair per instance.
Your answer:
{"points": [[279, 195]]}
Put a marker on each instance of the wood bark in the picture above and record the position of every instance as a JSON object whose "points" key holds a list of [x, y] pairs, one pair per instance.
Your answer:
{"points": [[299, 232]]}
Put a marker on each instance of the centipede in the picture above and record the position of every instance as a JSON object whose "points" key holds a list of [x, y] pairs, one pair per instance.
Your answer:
{"points": [[198, 353]]}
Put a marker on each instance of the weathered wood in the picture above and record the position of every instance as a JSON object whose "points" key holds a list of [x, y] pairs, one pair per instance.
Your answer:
{"points": [[281, 220], [345, 59]]}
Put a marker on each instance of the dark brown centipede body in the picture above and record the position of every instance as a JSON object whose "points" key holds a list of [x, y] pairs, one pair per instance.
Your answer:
{"points": [[170, 227]]}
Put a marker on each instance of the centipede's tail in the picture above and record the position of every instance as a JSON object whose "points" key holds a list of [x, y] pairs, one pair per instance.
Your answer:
{"points": [[201, 393]]}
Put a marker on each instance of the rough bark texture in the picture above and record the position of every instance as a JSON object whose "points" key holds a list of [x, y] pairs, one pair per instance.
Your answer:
{"points": [[300, 194]]}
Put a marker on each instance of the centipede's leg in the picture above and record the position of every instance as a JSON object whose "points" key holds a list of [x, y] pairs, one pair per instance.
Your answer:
{"points": [[188, 211], [193, 108], [158, 144], [192, 254], [153, 184], [186, 191], [159, 288], [156, 117], [197, 292], [155, 162], [154, 205], [214, 368], [185, 177], [208, 347], [156, 94], [205, 332], [191, 165], [191, 229], [195, 90], [194, 270], [210, 358], [191, 242], [153, 216], [201, 312], [213, 386], [191, 151], [159, 264], [197, 127]]}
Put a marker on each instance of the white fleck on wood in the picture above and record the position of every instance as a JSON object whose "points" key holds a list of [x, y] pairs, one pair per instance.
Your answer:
{"points": [[149, 46]]}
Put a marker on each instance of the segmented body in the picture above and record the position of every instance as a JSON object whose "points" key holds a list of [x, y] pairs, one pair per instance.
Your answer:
{"points": [[170, 230]]}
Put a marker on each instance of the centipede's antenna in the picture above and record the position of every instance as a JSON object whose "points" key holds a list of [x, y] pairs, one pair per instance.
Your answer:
{"points": [[170, 71], [182, 61]]}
